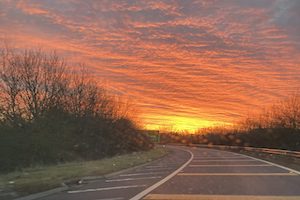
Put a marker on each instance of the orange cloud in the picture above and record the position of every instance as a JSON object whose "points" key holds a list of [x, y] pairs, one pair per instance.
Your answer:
{"points": [[187, 63]]}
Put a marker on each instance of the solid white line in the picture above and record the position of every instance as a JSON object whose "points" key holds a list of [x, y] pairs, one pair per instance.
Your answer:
{"points": [[274, 164], [131, 179], [138, 174], [159, 183], [103, 189]]}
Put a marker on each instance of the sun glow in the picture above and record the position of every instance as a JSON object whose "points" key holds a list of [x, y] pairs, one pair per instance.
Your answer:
{"points": [[180, 123]]}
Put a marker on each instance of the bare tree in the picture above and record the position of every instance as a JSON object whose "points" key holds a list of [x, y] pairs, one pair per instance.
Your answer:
{"points": [[289, 112], [31, 83], [284, 114], [10, 86]]}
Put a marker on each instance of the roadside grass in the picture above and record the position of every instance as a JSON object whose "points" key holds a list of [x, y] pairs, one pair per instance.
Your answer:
{"points": [[37, 179]]}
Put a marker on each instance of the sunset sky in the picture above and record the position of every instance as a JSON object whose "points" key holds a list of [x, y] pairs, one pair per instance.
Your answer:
{"points": [[186, 64]]}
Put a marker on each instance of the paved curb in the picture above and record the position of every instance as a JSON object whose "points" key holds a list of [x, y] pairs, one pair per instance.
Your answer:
{"points": [[45, 193]]}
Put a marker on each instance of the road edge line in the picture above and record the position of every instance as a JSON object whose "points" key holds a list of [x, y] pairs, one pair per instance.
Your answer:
{"points": [[261, 160], [159, 183], [271, 163]]}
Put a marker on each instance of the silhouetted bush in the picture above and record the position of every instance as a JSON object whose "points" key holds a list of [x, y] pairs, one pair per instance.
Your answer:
{"points": [[50, 114], [276, 127]]}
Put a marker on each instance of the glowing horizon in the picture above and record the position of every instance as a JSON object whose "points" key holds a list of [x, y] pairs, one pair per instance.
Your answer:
{"points": [[180, 123], [186, 64]]}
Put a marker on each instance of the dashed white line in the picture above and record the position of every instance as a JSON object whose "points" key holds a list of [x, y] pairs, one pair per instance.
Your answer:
{"points": [[139, 174], [117, 198], [132, 179], [104, 189], [155, 166], [157, 169]]}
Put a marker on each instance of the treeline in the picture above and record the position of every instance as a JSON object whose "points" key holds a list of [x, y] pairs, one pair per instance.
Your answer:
{"points": [[51, 114], [288, 139], [282, 115], [276, 127]]}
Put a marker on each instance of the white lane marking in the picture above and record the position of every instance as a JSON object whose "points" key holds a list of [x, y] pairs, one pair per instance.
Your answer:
{"points": [[155, 166], [132, 179], [217, 197], [216, 157], [159, 183], [157, 169], [107, 188], [258, 165], [237, 174], [274, 164], [139, 174], [117, 198], [244, 160]]}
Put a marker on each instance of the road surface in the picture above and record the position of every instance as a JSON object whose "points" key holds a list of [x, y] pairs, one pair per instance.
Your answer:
{"points": [[194, 174]]}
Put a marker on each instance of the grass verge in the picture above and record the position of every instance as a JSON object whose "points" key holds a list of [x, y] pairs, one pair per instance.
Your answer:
{"points": [[37, 179]]}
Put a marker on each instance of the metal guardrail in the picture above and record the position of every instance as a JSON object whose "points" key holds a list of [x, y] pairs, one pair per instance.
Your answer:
{"points": [[294, 154], [275, 151]]}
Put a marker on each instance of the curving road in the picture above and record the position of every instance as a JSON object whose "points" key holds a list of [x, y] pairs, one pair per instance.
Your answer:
{"points": [[194, 174]]}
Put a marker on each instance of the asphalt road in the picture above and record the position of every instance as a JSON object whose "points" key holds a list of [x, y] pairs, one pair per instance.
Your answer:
{"points": [[194, 174]]}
